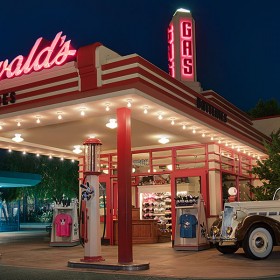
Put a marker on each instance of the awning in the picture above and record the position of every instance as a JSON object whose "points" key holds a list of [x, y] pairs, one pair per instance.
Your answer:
{"points": [[18, 179]]}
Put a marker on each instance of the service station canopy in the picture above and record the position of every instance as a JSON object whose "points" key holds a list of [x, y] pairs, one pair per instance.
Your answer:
{"points": [[59, 104]]}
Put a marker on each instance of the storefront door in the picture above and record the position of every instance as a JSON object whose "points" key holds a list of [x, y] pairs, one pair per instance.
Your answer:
{"points": [[187, 185]]}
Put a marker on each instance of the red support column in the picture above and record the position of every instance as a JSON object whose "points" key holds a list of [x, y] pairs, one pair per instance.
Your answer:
{"points": [[124, 186]]}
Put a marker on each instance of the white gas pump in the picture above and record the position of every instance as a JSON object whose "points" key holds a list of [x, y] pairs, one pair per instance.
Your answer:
{"points": [[90, 215]]}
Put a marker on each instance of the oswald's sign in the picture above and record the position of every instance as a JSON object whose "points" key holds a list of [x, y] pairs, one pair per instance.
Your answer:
{"points": [[43, 55], [211, 110]]}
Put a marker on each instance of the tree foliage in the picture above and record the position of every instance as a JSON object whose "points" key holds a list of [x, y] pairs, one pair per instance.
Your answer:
{"points": [[58, 177], [268, 170], [265, 108]]}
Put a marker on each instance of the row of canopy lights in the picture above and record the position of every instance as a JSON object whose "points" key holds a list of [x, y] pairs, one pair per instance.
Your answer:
{"points": [[112, 124], [38, 155]]}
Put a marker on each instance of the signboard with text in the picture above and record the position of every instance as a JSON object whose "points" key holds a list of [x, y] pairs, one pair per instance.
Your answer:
{"points": [[43, 55], [181, 47]]}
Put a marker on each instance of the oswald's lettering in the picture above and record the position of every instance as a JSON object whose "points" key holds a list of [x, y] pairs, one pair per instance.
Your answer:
{"points": [[211, 110], [40, 57]]}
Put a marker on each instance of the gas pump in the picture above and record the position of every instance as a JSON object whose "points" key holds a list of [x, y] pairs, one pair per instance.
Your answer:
{"points": [[89, 209]]}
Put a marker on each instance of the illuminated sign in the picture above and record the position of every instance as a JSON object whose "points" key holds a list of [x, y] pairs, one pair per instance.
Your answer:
{"points": [[7, 98], [181, 47], [186, 47], [171, 54], [211, 110], [43, 55]]}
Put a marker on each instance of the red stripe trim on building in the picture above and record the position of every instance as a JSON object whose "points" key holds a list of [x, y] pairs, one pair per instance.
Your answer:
{"points": [[233, 121], [40, 83], [40, 102], [153, 91], [229, 106], [46, 90], [235, 116]]}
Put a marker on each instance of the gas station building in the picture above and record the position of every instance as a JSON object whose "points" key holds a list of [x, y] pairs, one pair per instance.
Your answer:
{"points": [[162, 135]]}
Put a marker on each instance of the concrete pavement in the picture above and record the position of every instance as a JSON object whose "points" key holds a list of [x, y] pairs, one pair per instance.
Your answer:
{"points": [[28, 254]]}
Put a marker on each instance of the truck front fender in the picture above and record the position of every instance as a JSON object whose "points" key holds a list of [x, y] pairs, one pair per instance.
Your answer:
{"points": [[250, 221]]}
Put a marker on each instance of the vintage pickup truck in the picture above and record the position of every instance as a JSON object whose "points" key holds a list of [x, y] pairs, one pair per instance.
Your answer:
{"points": [[252, 225]]}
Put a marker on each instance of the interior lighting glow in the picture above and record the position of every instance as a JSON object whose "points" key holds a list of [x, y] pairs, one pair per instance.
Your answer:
{"points": [[18, 123], [154, 170], [1, 127], [219, 141], [37, 155], [17, 138], [203, 134], [62, 159], [160, 115], [193, 131], [172, 121], [10, 150], [169, 167], [184, 126], [112, 123], [163, 140], [50, 157], [24, 152]]}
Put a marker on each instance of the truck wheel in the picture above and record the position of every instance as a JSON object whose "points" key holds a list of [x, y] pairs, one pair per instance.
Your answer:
{"points": [[227, 249], [258, 243]]}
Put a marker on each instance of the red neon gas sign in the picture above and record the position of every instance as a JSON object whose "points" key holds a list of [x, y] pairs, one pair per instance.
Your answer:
{"points": [[171, 54], [186, 41], [42, 56]]}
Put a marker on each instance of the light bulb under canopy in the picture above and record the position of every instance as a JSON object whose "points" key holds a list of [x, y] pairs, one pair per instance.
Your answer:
{"points": [[17, 138], [163, 140], [77, 149], [112, 123]]}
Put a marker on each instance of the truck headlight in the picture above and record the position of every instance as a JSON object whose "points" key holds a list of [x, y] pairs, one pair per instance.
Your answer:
{"points": [[215, 230], [229, 230]]}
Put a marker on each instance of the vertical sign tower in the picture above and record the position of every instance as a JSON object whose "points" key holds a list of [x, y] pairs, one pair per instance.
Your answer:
{"points": [[181, 49]]}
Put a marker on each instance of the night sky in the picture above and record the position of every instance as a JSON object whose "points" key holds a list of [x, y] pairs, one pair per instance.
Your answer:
{"points": [[237, 41]]}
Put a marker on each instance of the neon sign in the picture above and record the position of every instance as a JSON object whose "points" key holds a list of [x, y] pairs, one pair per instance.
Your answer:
{"points": [[43, 55], [186, 49], [171, 54]]}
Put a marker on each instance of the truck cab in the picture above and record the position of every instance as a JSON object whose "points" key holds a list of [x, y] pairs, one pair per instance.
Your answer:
{"points": [[252, 225]]}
